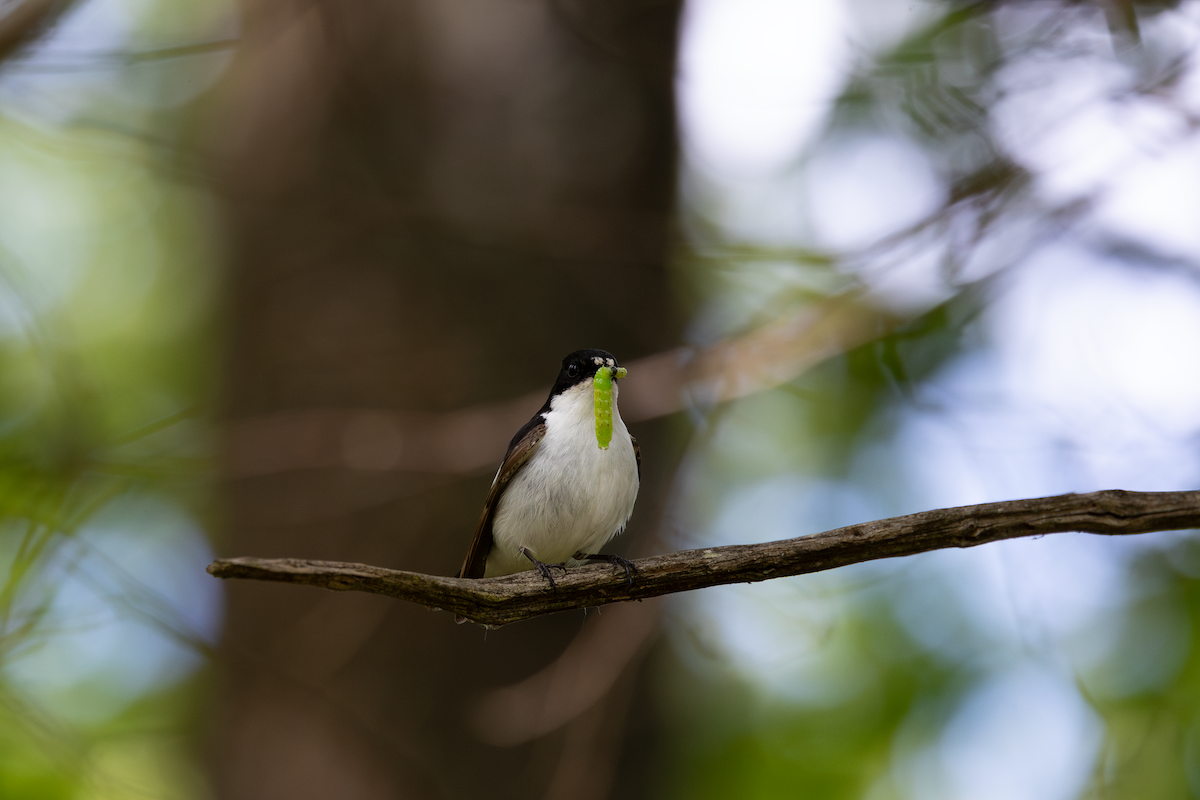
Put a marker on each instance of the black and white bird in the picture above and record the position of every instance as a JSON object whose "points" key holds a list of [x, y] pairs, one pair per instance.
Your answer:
{"points": [[562, 492]]}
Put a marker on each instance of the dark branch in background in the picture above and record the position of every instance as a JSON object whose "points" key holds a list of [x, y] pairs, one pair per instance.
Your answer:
{"points": [[22, 22], [474, 438], [498, 601], [80, 62]]}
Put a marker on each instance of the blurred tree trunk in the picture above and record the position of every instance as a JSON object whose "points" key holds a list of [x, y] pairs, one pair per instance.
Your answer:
{"points": [[428, 204]]}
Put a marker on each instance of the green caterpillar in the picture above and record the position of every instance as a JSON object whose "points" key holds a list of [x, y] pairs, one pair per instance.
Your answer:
{"points": [[602, 384]]}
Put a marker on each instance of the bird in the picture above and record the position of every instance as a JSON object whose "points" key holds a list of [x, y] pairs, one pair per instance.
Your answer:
{"points": [[564, 488]]}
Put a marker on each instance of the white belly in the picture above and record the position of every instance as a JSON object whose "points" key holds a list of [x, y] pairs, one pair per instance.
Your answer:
{"points": [[571, 497]]}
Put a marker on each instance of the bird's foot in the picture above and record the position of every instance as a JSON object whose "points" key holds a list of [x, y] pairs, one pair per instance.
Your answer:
{"points": [[543, 568], [616, 561]]}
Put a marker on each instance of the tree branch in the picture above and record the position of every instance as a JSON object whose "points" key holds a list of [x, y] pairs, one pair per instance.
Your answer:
{"points": [[475, 438], [498, 601], [22, 22]]}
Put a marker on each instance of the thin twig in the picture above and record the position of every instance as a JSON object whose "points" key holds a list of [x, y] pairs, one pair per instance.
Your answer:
{"points": [[498, 601]]}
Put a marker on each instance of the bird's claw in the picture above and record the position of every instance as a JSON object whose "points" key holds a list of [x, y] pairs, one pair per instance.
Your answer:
{"points": [[616, 561], [543, 568]]}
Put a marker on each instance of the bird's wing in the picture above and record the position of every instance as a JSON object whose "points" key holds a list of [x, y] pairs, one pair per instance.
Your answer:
{"points": [[637, 453], [522, 448]]}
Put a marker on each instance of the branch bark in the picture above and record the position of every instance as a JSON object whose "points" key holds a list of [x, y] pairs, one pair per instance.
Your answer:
{"points": [[499, 601]]}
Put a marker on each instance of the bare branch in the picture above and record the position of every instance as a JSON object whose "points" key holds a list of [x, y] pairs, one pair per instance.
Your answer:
{"points": [[498, 601]]}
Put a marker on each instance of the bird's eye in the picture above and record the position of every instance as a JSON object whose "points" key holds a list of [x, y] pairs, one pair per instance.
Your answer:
{"points": [[572, 370]]}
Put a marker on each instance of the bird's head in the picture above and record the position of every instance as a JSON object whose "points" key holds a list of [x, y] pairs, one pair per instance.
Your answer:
{"points": [[581, 367]]}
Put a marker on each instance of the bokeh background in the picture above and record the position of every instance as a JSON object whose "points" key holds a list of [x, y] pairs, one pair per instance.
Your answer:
{"points": [[279, 278]]}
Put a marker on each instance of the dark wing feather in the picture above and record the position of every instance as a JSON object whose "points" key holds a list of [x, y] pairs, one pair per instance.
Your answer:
{"points": [[637, 453], [522, 448]]}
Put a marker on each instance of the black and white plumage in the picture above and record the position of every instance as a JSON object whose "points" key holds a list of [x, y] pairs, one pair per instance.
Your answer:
{"points": [[558, 497]]}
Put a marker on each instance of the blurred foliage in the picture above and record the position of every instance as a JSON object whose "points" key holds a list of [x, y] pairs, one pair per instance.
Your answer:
{"points": [[768, 746], [880, 681], [958, 674], [106, 274]]}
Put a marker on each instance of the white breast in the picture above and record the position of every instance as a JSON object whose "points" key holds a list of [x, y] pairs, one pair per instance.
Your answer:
{"points": [[571, 497]]}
